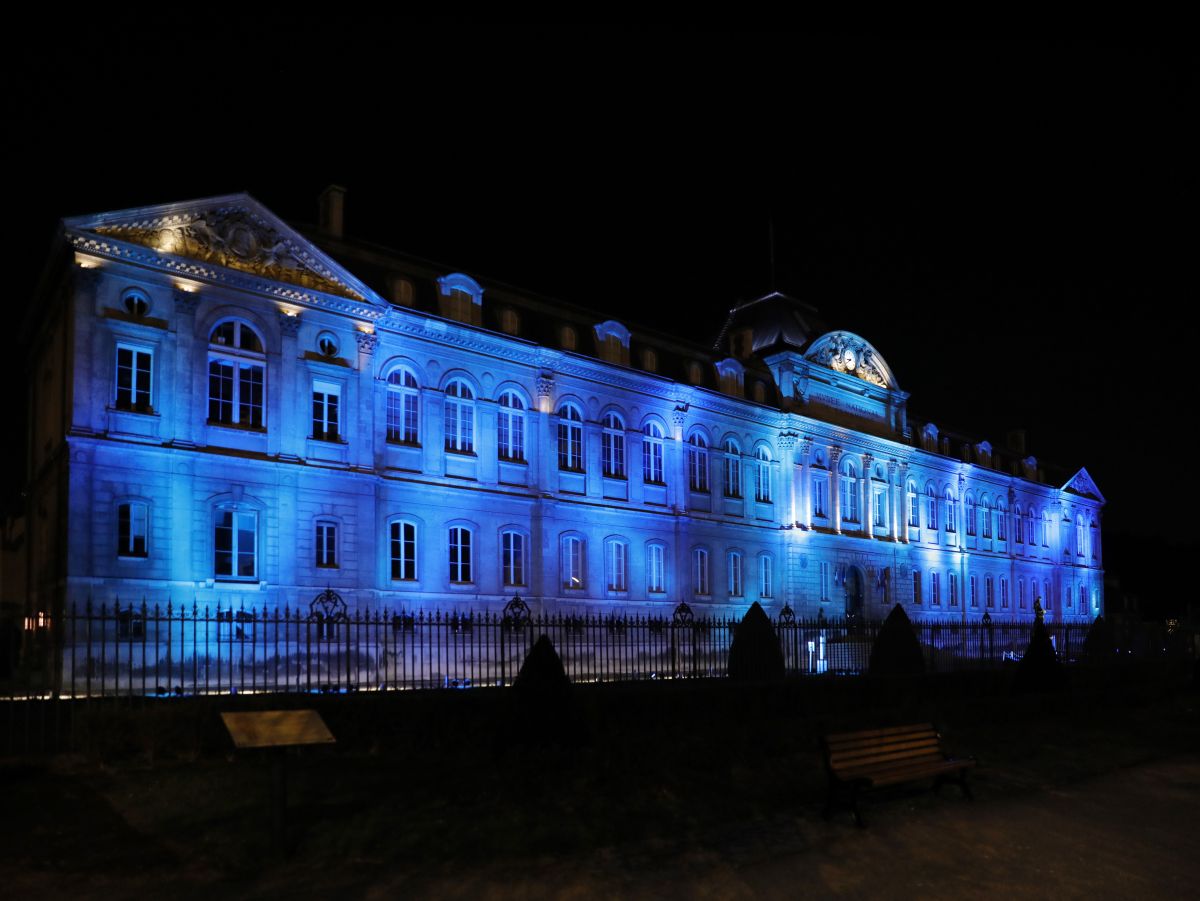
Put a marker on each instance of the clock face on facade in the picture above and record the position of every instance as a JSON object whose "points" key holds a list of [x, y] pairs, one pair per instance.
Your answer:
{"points": [[848, 360]]}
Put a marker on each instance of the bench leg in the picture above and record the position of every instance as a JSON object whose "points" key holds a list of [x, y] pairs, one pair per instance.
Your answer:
{"points": [[966, 789], [858, 820]]}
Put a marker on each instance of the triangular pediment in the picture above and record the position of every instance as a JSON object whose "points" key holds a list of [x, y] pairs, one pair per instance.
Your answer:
{"points": [[235, 232], [1081, 484]]}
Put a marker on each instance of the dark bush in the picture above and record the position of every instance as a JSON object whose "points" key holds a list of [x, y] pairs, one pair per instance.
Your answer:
{"points": [[543, 713], [755, 655], [542, 672], [896, 651], [1040, 668], [1100, 646]]}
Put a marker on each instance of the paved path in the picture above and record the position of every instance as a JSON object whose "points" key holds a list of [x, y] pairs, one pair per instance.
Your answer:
{"points": [[1130, 835]]}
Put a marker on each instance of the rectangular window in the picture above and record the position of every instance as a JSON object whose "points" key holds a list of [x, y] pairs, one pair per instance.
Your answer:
{"points": [[235, 544], [570, 446], [403, 551], [513, 552], [914, 510], [656, 569], [935, 590], [235, 393], [1003, 593], [824, 581], [616, 566], [652, 460], [765, 586], [326, 397], [989, 594], [951, 524], [877, 505], [1020, 594], [974, 593], [819, 496], [612, 453], [735, 574], [511, 434], [970, 518], [1001, 528], [987, 523], [697, 469], [402, 417], [733, 476], [916, 586], [326, 542], [133, 378], [953, 579], [133, 527]]}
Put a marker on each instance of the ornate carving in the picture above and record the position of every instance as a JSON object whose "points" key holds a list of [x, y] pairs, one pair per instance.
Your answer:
{"points": [[545, 385], [367, 342], [787, 440], [87, 276], [679, 416], [289, 325], [835, 454], [236, 239], [849, 354]]}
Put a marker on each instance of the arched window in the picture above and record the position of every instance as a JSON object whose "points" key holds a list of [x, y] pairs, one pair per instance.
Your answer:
{"points": [[762, 475], [916, 579], [914, 508], [971, 514], [1080, 538], [236, 375], [734, 566], [952, 578], [510, 427], [612, 446], [459, 542], [1045, 529], [697, 462], [513, 555], [935, 590], [766, 576], [1003, 593], [1001, 521], [652, 453], [974, 587], [849, 490], [616, 564], [951, 520], [403, 407], [932, 511], [570, 438], [235, 543], [1031, 527], [1018, 524], [986, 518], [733, 469], [700, 572], [460, 418], [402, 550], [572, 563], [656, 568]]}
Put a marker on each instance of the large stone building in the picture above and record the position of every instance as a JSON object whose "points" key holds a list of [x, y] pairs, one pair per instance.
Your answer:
{"points": [[229, 412]]}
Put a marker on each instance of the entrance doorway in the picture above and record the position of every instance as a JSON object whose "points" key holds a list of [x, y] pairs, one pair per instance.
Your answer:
{"points": [[854, 584]]}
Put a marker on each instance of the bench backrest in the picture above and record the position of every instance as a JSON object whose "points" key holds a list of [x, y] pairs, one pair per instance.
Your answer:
{"points": [[894, 746]]}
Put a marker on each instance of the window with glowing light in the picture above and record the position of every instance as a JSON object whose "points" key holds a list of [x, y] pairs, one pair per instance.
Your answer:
{"points": [[849, 489], [572, 563]]}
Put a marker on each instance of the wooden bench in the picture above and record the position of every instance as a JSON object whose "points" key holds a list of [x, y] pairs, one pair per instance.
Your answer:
{"points": [[875, 758]]}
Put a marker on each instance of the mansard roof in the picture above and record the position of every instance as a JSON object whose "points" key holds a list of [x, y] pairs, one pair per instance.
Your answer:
{"points": [[234, 232], [776, 321]]}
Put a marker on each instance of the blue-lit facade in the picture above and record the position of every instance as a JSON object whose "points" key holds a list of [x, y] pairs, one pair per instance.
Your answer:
{"points": [[226, 414]]}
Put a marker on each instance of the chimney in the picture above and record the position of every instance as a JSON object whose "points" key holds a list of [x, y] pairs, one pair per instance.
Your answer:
{"points": [[331, 205], [1016, 442]]}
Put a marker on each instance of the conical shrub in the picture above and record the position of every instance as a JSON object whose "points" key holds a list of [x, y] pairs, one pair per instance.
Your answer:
{"points": [[542, 672], [896, 651], [755, 654], [1040, 668]]}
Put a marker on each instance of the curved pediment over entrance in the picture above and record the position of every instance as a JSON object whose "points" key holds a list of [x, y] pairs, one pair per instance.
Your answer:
{"points": [[847, 353]]}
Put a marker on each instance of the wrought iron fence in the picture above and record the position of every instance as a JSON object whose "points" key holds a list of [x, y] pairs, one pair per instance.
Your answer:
{"points": [[147, 650]]}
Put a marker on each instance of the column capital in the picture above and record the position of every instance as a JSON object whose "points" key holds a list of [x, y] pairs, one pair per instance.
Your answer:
{"points": [[289, 325], [835, 454], [787, 440], [367, 342]]}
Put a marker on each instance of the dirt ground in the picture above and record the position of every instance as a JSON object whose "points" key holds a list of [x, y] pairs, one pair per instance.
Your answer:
{"points": [[1095, 803]]}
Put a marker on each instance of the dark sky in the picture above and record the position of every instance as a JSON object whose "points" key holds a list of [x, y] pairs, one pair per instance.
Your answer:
{"points": [[1004, 221]]}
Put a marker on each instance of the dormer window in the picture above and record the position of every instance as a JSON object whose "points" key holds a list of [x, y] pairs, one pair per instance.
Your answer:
{"points": [[741, 343], [731, 374], [402, 293], [460, 297], [695, 374], [612, 342], [649, 360], [567, 338], [510, 322]]}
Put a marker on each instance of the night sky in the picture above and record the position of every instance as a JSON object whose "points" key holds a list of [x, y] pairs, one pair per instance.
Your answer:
{"points": [[1004, 221]]}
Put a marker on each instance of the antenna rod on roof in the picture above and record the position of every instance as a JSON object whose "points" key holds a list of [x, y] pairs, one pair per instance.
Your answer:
{"points": [[771, 239]]}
